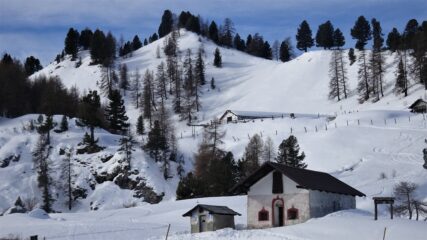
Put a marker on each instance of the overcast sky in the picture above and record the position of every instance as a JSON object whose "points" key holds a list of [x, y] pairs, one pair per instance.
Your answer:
{"points": [[38, 27]]}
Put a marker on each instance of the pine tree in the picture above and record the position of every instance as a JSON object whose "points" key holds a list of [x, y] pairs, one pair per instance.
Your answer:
{"points": [[42, 163], [45, 127], [63, 126], [136, 89], [85, 39], [90, 114], [156, 141], [97, 46], [227, 33], [217, 58], [286, 50], [401, 85], [289, 153], [239, 43], [337, 68], [213, 32], [115, 113], [193, 24], [268, 151], [67, 174], [304, 37], [253, 154], [362, 33], [275, 50], [136, 43], [166, 23], [393, 40], [325, 35], [189, 187], [213, 83], [147, 95], [72, 43], [377, 60], [32, 65], [351, 56], [127, 143], [189, 88], [161, 82], [140, 125], [124, 79], [200, 68]]}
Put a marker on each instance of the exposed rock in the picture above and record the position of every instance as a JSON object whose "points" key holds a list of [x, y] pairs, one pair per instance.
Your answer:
{"points": [[106, 158], [5, 162]]}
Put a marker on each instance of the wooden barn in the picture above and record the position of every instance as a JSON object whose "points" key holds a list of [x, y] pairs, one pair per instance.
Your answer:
{"points": [[419, 106], [234, 116], [279, 195], [210, 218]]}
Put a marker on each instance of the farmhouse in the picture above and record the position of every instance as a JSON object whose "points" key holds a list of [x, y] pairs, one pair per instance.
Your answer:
{"points": [[210, 218], [279, 195], [419, 106], [233, 116]]}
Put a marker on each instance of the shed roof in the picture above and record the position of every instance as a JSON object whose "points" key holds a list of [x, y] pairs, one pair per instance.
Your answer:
{"points": [[418, 101], [307, 179], [212, 209]]}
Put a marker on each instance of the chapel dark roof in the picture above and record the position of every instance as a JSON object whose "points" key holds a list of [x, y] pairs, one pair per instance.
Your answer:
{"points": [[212, 209], [307, 179]]}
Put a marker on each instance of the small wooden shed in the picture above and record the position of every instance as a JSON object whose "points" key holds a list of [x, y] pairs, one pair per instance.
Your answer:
{"points": [[419, 106], [210, 218]]}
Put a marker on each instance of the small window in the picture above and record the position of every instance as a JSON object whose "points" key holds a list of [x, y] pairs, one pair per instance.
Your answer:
{"points": [[263, 215], [292, 213], [277, 182]]}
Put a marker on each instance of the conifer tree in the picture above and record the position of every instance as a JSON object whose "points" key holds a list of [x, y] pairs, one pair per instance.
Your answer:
{"points": [[337, 69], [304, 37], [42, 163], [45, 127], [286, 50], [124, 79], [362, 33], [393, 40], [90, 114], [32, 65], [377, 60], [213, 83], [147, 95], [63, 126], [136, 43], [325, 35], [166, 24], [217, 58], [189, 88], [351, 56], [136, 89], [97, 46], [213, 32], [253, 154], [67, 174], [199, 69], [72, 43], [156, 141], [289, 153], [239, 43], [275, 50], [140, 125], [401, 85], [161, 82], [115, 113], [227, 33], [127, 143], [268, 153], [85, 39]]}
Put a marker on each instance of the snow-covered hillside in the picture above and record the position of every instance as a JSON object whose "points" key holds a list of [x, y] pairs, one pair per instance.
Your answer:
{"points": [[371, 146]]}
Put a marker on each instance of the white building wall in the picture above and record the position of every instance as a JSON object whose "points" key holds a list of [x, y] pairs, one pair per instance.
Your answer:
{"points": [[260, 196], [323, 203]]}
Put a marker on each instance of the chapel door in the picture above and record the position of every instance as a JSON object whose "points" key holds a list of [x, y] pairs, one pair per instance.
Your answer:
{"points": [[280, 216]]}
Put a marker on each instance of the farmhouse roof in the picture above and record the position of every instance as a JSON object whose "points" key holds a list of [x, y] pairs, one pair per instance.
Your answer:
{"points": [[212, 209], [307, 179]]}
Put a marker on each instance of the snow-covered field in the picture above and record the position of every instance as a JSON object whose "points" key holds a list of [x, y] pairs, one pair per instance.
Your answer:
{"points": [[151, 222], [370, 146]]}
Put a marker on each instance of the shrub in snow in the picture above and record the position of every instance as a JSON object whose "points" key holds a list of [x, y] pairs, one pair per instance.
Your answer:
{"points": [[39, 213]]}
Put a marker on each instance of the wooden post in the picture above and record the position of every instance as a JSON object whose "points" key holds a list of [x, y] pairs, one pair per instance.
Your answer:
{"points": [[376, 211], [391, 210], [347, 122], [35, 237], [385, 230], [167, 233], [305, 129], [358, 122]]}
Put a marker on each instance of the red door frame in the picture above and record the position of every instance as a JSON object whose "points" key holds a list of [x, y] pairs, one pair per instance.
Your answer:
{"points": [[273, 210]]}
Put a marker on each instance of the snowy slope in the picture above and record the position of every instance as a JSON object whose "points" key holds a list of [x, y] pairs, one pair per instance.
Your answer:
{"points": [[363, 142]]}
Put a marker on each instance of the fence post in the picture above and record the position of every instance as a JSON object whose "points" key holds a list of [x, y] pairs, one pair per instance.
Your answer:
{"points": [[291, 130], [372, 122], [326, 127], [385, 121], [305, 129], [276, 132], [395, 121], [358, 122], [347, 122], [335, 125], [167, 233], [409, 118], [315, 128]]}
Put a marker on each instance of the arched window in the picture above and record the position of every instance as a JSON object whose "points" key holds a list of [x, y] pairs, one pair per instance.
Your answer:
{"points": [[292, 213], [263, 215]]}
